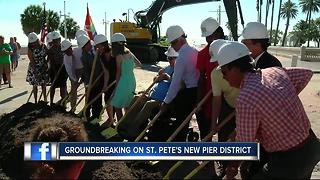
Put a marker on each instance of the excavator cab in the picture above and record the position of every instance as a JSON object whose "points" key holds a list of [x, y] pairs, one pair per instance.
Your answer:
{"points": [[144, 35]]}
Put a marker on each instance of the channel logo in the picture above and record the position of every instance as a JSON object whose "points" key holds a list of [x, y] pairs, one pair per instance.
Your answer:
{"points": [[40, 151]]}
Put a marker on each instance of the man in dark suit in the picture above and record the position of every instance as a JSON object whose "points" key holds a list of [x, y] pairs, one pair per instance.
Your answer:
{"points": [[255, 37]]}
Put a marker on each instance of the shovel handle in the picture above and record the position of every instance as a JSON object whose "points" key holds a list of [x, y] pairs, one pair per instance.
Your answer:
{"points": [[30, 95], [214, 131], [148, 126], [55, 79], [136, 102], [93, 68], [186, 121], [82, 97], [95, 98]]}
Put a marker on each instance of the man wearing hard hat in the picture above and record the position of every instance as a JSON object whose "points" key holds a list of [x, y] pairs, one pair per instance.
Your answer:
{"points": [[87, 60], [211, 30], [277, 120], [255, 37], [55, 58], [185, 74], [73, 67], [224, 99]]}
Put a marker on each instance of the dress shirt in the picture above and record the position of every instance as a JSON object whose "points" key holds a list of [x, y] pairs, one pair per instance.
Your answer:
{"points": [[185, 72], [269, 109]]}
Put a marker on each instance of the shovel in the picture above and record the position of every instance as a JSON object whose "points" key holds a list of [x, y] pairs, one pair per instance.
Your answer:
{"points": [[95, 98], [110, 132], [214, 131], [203, 164], [93, 68], [55, 79], [186, 121], [30, 96], [148, 126], [82, 97], [65, 100]]}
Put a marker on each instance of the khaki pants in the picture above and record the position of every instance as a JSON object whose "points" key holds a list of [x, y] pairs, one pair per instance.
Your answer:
{"points": [[73, 93]]}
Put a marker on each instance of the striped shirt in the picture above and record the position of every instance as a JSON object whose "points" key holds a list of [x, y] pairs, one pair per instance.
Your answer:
{"points": [[185, 72], [269, 109]]}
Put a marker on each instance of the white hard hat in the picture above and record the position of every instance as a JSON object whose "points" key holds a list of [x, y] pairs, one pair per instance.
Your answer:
{"points": [[82, 40], [81, 32], [118, 37], [171, 52], [208, 26], [174, 32], [255, 30], [65, 44], [49, 38], [32, 37], [100, 38], [55, 35], [214, 48], [231, 51]]}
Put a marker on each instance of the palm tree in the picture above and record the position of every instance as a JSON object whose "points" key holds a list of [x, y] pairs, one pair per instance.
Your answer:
{"points": [[288, 11], [267, 12], [309, 7], [32, 19], [278, 19], [272, 12], [53, 20], [72, 28]]}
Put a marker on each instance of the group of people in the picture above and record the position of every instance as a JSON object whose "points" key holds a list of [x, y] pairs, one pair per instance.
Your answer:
{"points": [[241, 76], [244, 78], [9, 56], [98, 67]]}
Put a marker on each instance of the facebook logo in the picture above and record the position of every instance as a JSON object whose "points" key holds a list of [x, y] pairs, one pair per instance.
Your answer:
{"points": [[43, 151]]}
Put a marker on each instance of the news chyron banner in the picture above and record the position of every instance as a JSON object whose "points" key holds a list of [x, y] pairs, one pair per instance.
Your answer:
{"points": [[46, 151]]}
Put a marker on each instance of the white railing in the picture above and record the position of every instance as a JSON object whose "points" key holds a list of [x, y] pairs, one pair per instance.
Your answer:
{"points": [[304, 53]]}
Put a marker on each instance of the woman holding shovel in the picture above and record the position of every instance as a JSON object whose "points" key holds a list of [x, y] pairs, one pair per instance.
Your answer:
{"points": [[37, 70], [55, 57], [109, 67], [126, 82]]}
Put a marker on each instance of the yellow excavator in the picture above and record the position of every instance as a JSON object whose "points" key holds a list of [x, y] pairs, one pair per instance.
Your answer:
{"points": [[143, 35]]}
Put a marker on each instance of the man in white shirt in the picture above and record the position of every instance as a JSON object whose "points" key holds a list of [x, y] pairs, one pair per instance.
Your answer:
{"points": [[73, 67], [183, 89]]}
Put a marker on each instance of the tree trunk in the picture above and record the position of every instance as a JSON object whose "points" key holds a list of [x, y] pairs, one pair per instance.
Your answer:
{"points": [[267, 13], [285, 31], [260, 7], [276, 35], [272, 12], [309, 24]]}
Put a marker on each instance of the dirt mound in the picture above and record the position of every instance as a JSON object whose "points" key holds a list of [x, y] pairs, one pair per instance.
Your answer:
{"points": [[15, 127]]}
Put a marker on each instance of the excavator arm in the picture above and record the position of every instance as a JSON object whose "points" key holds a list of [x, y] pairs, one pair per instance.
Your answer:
{"points": [[151, 17]]}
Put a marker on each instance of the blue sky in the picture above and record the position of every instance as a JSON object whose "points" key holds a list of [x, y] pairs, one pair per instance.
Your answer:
{"points": [[189, 17]]}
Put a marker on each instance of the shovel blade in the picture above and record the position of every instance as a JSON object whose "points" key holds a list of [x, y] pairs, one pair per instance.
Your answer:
{"points": [[109, 132]]}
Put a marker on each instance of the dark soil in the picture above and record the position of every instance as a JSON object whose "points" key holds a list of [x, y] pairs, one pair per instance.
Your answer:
{"points": [[14, 130]]}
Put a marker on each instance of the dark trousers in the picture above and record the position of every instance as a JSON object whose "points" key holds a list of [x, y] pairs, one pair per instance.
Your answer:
{"points": [[4, 77], [229, 127], [96, 107], [293, 164], [203, 123], [183, 104]]}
